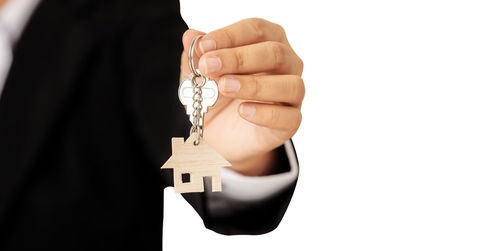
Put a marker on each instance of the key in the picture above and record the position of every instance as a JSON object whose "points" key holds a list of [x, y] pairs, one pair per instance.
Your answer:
{"points": [[210, 93]]}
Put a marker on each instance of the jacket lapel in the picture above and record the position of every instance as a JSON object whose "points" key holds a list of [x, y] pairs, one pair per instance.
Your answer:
{"points": [[40, 80]]}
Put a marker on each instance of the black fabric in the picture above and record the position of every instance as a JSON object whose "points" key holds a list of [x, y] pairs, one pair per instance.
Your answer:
{"points": [[86, 117]]}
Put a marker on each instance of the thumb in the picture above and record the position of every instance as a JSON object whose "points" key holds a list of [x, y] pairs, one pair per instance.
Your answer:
{"points": [[187, 37]]}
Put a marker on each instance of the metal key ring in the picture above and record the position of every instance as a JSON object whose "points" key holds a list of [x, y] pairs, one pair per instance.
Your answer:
{"points": [[190, 56], [198, 85], [199, 132]]}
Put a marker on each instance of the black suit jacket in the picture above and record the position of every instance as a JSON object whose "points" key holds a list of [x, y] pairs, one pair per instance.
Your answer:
{"points": [[86, 117]]}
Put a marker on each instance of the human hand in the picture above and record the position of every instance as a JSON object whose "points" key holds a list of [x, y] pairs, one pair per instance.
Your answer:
{"points": [[261, 91]]}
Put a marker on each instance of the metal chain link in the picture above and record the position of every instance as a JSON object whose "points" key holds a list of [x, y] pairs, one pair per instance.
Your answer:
{"points": [[197, 93]]}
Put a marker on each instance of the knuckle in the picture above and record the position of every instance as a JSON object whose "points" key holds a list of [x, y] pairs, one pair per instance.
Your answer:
{"points": [[257, 27], [239, 58], [299, 88], [301, 64], [256, 87], [297, 124], [274, 117], [257, 21], [229, 37], [278, 51], [280, 30]]}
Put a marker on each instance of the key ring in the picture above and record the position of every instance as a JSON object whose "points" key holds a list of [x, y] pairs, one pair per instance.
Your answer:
{"points": [[193, 80], [191, 58], [199, 133]]}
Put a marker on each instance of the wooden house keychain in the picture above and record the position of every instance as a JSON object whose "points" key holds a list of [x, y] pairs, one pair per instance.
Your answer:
{"points": [[194, 159]]}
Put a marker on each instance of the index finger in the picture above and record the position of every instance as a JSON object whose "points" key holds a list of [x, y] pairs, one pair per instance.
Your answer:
{"points": [[245, 32]]}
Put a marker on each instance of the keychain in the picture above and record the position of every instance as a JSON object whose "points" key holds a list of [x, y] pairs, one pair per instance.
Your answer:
{"points": [[194, 159]]}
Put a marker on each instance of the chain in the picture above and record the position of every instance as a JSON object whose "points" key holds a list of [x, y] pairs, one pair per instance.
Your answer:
{"points": [[197, 94], [197, 106]]}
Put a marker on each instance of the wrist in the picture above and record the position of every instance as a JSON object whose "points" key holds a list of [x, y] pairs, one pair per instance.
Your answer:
{"points": [[258, 165]]}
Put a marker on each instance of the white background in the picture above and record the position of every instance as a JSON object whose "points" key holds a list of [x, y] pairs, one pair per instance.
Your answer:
{"points": [[399, 147]]}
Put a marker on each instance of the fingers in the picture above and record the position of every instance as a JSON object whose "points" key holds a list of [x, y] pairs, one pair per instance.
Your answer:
{"points": [[288, 89], [245, 32], [188, 36], [274, 57], [283, 118]]}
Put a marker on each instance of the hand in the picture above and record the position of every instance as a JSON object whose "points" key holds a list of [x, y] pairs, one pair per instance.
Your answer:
{"points": [[260, 91]]}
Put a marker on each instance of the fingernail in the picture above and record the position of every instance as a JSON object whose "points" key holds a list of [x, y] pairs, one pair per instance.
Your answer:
{"points": [[247, 110], [207, 45], [210, 65], [230, 85]]}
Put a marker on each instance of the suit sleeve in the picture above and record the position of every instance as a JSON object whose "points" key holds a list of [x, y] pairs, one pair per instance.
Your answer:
{"points": [[252, 205], [153, 46]]}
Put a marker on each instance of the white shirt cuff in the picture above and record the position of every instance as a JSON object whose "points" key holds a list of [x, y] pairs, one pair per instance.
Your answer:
{"points": [[236, 186]]}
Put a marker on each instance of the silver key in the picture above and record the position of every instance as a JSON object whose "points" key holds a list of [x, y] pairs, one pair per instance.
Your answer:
{"points": [[210, 93]]}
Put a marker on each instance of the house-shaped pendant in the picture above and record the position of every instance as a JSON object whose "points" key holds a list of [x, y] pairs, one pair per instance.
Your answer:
{"points": [[190, 163]]}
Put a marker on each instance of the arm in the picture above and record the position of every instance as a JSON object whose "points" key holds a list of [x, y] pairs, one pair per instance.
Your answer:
{"points": [[256, 55], [249, 205], [153, 48], [254, 205]]}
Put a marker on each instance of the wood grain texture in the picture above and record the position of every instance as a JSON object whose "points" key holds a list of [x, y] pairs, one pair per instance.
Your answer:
{"points": [[196, 160]]}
